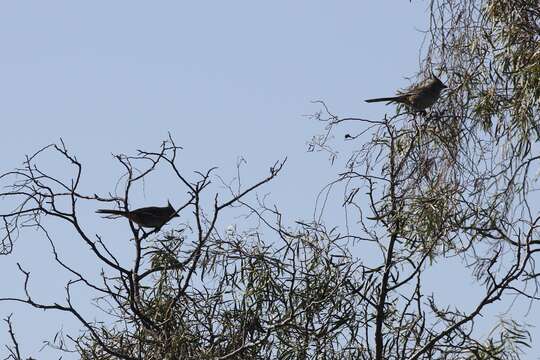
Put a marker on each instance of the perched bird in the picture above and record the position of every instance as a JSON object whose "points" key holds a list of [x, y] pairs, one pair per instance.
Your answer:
{"points": [[148, 217], [419, 97]]}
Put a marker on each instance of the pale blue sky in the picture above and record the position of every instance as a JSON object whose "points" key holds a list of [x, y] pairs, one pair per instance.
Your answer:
{"points": [[227, 79]]}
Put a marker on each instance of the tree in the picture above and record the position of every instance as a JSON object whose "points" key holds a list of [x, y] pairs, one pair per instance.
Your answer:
{"points": [[456, 183], [418, 190]]}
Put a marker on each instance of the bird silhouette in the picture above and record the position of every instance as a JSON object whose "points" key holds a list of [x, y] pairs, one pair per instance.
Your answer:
{"points": [[148, 217], [419, 97]]}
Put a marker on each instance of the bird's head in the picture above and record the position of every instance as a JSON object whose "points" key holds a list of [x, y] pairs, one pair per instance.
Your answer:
{"points": [[438, 83], [171, 209]]}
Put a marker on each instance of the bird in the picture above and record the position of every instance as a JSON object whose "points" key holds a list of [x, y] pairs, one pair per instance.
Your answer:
{"points": [[419, 97], [148, 217]]}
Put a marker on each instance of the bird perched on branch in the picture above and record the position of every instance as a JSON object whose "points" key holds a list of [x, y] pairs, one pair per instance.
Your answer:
{"points": [[148, 217], [419, 97]]}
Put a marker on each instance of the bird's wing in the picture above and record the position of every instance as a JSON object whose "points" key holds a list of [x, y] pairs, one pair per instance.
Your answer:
{"points": [[148, 212], [415, 89]]}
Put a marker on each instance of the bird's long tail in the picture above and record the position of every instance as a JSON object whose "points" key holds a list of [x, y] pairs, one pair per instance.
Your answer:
{"points": [[112, 212], [393, 98]]}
